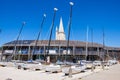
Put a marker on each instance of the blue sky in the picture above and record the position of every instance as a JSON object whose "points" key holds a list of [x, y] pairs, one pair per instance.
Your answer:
{"points": [[93, 13]]}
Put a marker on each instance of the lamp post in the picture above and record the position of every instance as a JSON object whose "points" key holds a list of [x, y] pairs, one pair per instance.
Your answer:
{"points": [[14, 50]]}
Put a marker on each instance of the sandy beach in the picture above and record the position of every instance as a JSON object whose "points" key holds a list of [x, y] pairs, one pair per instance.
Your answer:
{"points": [[20, 74], [112, 74]]}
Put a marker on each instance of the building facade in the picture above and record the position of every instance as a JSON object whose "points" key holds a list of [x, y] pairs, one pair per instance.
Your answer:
{"points": [[58, 50]]}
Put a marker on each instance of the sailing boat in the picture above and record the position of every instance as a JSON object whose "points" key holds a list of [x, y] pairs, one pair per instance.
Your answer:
{"points": [[89, 64], [32, 64], [15, 48], [52, 67], [15, 43], [36, 41], [74, 68], [19, 63], [47, 56], [87, 56]]}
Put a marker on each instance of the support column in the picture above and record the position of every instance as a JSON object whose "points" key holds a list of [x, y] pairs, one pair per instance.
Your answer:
{"points": [[108, 54], [29, 52], [39, 52], [44, 51], [98, 52], [73, 50], [59, 50], [2, 54]]}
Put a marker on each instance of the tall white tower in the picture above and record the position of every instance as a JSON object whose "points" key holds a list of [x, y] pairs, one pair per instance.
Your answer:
{"points": [[60, 35]]}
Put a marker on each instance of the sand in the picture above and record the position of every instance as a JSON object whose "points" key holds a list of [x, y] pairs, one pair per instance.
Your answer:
{"points": [[112, 74], [98, 74]]}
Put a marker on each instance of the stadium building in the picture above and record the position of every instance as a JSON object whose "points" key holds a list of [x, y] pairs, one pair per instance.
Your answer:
{"points": [[58, 50]]}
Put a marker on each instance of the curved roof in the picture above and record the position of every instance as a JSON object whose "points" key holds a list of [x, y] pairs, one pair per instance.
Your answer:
{"points": [[57, 43], [53, 43]]}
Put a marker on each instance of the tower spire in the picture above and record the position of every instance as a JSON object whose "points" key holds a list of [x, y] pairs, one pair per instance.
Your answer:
{"points": [[61, 26], [60, 35]]}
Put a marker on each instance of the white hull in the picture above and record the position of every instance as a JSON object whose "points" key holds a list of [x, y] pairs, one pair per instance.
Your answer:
{"points": [[53, 68], [74, 69], [3, 64], [33, 66]]}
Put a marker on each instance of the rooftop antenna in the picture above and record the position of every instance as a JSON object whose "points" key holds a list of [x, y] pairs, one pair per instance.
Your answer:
{"points": [[36, 41], [53, 20], [69, 26], [15, 43]]}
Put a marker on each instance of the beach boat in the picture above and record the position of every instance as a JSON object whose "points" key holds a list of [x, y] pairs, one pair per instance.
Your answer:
{"points": [[16, 42], [17, 63], [89, 64], [36, 41], [7, 64], [97, 63], [33, 66], [74, 69], [13, 52], [3, 64], [53, 68], [112, 62], [29, 66]]}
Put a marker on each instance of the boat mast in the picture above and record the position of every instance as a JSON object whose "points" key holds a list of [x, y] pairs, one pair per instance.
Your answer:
{"points": [[92, 48], [20, 50], [69, 26], [36, 41], [103, 50], [103, 45], [55, 9], [87, 43], [15, 43]]}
